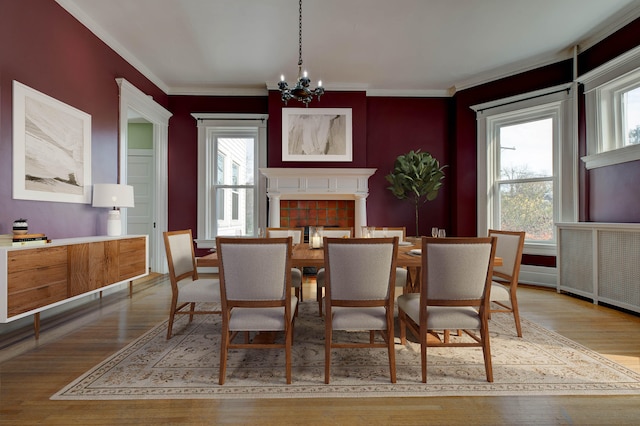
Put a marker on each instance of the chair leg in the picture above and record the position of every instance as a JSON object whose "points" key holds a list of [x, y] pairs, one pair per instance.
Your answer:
{"points": [[319, 298], [516, 313], [423, 354], [372, 336], [170, 325], [174, 303], [224, 348], [486, 350], [288, 342], [192, 308], [327, 350], [392, 353], [403, 327]]}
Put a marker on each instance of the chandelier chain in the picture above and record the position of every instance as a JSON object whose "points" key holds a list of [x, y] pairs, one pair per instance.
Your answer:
{"points": [[300, 33]]}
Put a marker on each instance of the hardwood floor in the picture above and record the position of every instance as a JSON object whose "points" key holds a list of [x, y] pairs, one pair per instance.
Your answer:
{"points": [[31, 371]]}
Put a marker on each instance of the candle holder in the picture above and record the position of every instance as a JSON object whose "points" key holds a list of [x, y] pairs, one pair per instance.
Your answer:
{"points": [[315, 241]]}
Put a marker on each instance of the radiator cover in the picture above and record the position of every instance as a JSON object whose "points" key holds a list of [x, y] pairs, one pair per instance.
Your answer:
{"points": [[600, 261]]}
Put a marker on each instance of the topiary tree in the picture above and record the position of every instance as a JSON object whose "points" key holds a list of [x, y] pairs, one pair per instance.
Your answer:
{"points": [[417, 177]]}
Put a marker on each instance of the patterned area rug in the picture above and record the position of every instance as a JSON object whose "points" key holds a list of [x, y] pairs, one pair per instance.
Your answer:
{"points": [[541, 363]]}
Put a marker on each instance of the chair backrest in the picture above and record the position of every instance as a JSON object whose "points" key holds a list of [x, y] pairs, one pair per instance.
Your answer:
{"points": [[336, 232], [297, 234], [382, 232], [181, 257], [456, 270], [360, 269], [254, 269], [509, 247]]}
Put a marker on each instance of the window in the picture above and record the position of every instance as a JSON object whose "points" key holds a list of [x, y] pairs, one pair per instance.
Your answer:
{"points": [[524, 181], [612, 99], [526, 171], [234, 202]]}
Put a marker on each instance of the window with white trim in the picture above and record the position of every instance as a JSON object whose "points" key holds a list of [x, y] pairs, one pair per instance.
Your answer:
{"points": [[526, 171], [231, 191], [612, 111]]}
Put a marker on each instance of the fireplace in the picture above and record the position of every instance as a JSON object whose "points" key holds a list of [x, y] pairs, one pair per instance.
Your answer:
{"points": [[318, 196]]}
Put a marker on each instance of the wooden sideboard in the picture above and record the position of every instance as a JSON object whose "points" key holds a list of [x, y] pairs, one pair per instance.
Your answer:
{"points": [[36, 278]]}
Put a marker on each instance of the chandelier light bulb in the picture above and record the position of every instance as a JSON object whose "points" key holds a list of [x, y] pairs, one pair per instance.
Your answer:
{"points": [[304, 73], [319, 83], [281, 77]]}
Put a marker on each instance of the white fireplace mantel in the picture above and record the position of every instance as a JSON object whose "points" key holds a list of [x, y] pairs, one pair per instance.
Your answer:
{"points": [[318, 184]]}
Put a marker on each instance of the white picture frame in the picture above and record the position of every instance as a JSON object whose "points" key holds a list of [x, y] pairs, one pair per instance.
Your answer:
{"points": [[51, 149], [317, 134]]}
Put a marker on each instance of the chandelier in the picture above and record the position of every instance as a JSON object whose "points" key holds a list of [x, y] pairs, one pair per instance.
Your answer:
{"points": [[301, 90]]}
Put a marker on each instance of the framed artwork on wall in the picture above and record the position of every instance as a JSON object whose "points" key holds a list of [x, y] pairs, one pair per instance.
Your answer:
{"points": [[317, 134], [51, 148]]}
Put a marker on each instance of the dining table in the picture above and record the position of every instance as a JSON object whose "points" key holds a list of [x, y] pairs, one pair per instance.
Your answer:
{"points": [[305, 256]]}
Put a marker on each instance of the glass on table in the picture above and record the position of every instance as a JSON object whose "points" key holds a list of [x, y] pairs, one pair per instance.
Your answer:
{"points": [[434, 231], [442, 233]]}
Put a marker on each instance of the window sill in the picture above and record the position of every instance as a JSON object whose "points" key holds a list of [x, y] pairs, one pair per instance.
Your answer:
{"points": [[205, 244], [609, 158], [540, 249]]}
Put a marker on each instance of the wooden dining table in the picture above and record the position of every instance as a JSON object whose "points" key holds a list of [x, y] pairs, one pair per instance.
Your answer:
{"points": [[303, 255]]}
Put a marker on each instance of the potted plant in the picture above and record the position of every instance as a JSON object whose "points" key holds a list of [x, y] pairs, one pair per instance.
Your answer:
{"points": [[417, 177]]}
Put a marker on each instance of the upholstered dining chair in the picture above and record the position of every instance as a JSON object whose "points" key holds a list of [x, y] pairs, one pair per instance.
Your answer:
{"points": [[255, 287], [454, 295], [186, 287], [505, 277], [393, 231], [297, 235], [359, 284], [385, 232], [329, 233]]}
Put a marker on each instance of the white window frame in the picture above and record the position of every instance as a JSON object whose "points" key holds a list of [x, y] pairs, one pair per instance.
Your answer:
{"points": [[557, 102], [603, 88], [207, 123]]}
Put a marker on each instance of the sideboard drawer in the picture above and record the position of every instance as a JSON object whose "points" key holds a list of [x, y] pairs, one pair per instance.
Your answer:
{"points": [[36, 278]]}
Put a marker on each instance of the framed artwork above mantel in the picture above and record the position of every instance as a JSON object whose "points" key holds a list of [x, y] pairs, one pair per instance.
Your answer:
{"points": [[51, 148], [317, 134]]}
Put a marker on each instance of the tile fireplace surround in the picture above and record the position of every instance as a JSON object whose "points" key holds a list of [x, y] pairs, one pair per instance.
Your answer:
{"points": [[318, 185]]}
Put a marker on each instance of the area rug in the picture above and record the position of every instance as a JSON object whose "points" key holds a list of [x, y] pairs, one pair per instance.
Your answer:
{"points": [[186, 366]]}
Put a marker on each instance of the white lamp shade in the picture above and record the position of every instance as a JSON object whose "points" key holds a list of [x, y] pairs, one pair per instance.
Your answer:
{"points": [[112, 195]]}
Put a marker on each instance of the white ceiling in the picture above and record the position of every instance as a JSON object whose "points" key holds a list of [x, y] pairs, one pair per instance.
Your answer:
{"points": [[395, 47]]}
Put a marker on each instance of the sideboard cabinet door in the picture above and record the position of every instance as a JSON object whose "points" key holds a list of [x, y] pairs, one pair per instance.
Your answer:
{"points": [[132, 258]]}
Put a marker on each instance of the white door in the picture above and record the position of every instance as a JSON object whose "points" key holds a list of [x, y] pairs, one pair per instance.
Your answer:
{"points": [[141, 218]]}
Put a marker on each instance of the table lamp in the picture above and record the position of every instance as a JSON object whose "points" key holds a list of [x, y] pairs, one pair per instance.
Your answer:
{"points": [[115, 196]]}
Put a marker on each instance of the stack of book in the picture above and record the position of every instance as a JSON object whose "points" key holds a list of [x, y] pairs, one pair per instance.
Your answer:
{"points": [[6, 239], [29, 240]]}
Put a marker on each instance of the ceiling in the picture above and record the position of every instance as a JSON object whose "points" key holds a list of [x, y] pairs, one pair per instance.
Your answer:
{"points": [[386, 47]]}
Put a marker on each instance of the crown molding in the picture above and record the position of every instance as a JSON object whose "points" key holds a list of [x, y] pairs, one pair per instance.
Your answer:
{"points": [[217, 91]]}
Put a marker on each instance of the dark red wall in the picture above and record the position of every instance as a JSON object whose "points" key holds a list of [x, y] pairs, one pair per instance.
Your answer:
{"points": [[383, 128], [357, 101], [45, 48], [396, 126], [183, 150], [612, 193]]}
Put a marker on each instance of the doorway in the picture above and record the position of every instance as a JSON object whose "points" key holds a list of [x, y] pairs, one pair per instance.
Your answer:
{"points": [[145, 169]]}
